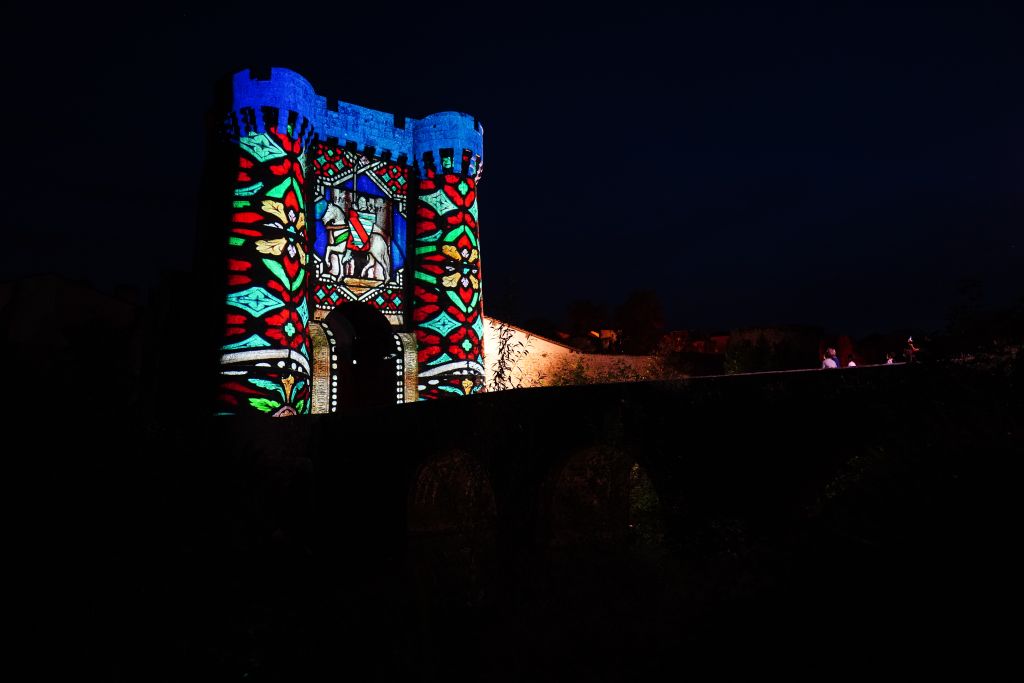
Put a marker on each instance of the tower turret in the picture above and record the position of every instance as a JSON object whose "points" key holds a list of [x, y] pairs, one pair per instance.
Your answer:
{"points": [[447, 282], [265, 351]]}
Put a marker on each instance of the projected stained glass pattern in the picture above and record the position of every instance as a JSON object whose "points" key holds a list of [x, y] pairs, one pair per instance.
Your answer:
{"points": [[265, 366], [448, 312]]}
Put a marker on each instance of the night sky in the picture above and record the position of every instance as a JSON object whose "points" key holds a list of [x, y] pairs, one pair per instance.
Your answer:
{"points": [[848, 167]]}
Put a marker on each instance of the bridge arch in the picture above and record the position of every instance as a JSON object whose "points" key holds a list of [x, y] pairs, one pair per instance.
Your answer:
{"points": [[599, 500], [452, 520]]}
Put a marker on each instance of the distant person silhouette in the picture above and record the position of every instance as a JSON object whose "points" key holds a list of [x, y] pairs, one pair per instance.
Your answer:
{"points": [[849, 361], [888, 359], [911, 351], [830, 361]]}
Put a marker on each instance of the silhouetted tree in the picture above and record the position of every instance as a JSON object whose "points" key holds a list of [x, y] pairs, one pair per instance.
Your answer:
{"points": [[584, 315], [508, 373], [641, 321], [767, 349]]}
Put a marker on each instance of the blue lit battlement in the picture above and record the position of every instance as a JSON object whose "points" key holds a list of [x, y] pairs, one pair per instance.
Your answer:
{"points": [[372, 131], [281, 98], [424, 142], [436, 134], [282, 88]]}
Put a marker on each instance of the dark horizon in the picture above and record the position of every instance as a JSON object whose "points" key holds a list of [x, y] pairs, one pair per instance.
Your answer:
{"points": [[848, 168]]}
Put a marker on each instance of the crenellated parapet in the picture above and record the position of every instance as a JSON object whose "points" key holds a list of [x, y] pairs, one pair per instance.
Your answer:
{"points": [[366, 131], [281, 99], [370, 132], [448, 142]]}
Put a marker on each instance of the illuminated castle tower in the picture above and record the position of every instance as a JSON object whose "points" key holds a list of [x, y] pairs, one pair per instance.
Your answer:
{"points": [[353, 256]]}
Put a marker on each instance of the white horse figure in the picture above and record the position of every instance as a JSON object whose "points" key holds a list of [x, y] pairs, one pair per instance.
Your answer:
{"points": [[338, 254], [378, 265]]}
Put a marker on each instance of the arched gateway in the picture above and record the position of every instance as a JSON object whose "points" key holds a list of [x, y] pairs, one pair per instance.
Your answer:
{"points": [[336, 212]]}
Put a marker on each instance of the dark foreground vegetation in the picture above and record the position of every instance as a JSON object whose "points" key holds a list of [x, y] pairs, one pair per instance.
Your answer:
{"points": [[818, 522]]}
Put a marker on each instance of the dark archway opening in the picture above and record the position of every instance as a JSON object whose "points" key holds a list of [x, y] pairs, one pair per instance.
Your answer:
{"points": [[365, 348], [603, 520], [453, 563], [452, 529], [588, 502]]}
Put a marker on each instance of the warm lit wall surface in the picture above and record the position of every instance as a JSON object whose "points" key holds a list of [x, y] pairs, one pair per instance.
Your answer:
{"points": [[536, 361]]}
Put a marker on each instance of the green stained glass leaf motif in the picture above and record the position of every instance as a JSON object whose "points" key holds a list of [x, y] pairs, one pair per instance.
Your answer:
{"points": [[253, 342], [439, 202], [236, 241], [255, 301], [277, 191], [433, 237], [456, 233], [268, 385], [300, 406], [262, 147], [278, 270], [303, 311], [463, 187], [264, 405], [457, 301], [474, 212], [478, 327], [249, 190], [446, 387], [426, 278], [443, 324]]}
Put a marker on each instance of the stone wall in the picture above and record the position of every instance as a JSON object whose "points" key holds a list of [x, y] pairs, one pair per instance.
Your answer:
{"points": [[536, 361], [603, 531]]}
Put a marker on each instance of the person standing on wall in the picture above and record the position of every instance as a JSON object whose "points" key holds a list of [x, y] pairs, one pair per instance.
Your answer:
{"points": [[911, 350]]}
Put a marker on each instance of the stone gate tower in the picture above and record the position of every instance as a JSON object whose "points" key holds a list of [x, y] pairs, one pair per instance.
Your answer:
{"points": [[352, 253]]}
